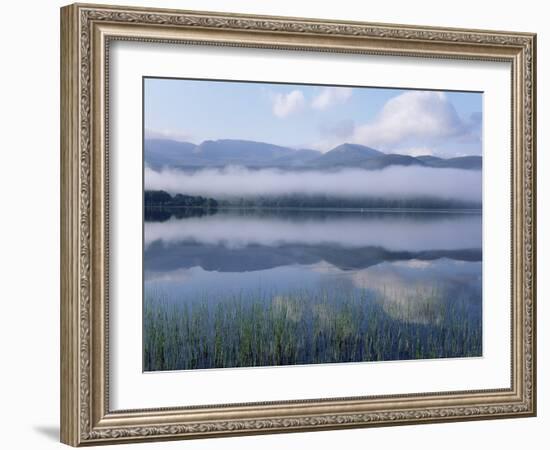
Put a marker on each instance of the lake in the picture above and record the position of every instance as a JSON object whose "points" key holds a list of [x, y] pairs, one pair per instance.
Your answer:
{"points": [[261, 287]]}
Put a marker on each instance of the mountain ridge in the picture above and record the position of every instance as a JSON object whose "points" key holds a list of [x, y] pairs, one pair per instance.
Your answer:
{"points": [[220, 153]]}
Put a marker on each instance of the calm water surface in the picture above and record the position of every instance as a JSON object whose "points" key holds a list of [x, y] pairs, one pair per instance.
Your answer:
{"points": [[418, 273]]}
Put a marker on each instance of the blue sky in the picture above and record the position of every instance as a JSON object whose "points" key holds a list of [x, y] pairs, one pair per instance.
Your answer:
{"points": [[319, 117]]}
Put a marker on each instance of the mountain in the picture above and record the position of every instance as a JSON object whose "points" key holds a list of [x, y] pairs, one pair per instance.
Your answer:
{"points": [[298, 158], [164, 152], [233, 151], [256, 155], [347, 155], [461, 162], [389, 160], [430, 160]]}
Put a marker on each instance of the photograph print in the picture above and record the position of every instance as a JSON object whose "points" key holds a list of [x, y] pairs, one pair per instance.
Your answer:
{"points": [[293, 224]]}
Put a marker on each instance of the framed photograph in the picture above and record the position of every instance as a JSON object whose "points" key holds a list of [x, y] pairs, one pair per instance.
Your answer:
{"points": [[279, 224]]}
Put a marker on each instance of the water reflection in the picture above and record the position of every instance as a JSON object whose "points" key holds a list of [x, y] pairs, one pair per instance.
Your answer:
{"points": [[407, 279], [392, 231]]}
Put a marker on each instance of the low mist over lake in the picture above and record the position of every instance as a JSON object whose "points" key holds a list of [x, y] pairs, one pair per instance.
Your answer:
{"points": [[393, 182]]}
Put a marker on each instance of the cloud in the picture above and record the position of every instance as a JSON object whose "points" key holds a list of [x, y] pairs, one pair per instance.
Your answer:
{"points": [[406, 289], [413, 123], [180, 275], [472, 128], [340, 129], [326, 143], [392, 182], [175, 135], [287, 104], [415, 151], [416, 116], [331, 96], [332, 135]]}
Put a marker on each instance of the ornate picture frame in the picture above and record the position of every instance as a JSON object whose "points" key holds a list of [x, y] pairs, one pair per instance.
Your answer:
{"points": [[87, 31]]}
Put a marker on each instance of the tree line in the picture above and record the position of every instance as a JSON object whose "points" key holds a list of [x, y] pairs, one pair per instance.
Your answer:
{"points": [[164, 199]]}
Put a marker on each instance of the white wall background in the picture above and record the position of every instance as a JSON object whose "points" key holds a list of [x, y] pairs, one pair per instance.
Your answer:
{"points": [[29, 238]]}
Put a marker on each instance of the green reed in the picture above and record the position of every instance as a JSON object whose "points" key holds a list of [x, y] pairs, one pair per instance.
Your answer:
{"points": [[308, 327]]}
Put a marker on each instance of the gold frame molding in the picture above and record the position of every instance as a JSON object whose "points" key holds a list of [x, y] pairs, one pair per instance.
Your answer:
{"points": [[86, 31]]}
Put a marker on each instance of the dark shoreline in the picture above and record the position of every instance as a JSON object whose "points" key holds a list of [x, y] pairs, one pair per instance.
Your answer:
{"points": [[320, 209]]}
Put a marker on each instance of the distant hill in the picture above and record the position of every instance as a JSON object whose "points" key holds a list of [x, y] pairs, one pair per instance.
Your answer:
{"points": [[231, 151], [296, 159], [164, 152], [391, 159], [256, 155], [347, 155], [462, 162]]}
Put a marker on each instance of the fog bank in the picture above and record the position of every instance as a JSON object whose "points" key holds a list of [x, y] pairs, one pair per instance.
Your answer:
{"points": [[392, 182]]}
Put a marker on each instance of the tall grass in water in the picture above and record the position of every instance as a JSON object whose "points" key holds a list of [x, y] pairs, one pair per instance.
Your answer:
{"points": [[307, 328]]}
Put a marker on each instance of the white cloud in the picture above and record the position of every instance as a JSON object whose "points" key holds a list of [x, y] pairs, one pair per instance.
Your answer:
{"points": [[174, 135], [286, 104], [415, 116], [331, 96], [332, 134], [324, 145], [340, 129], [414, 151]]}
